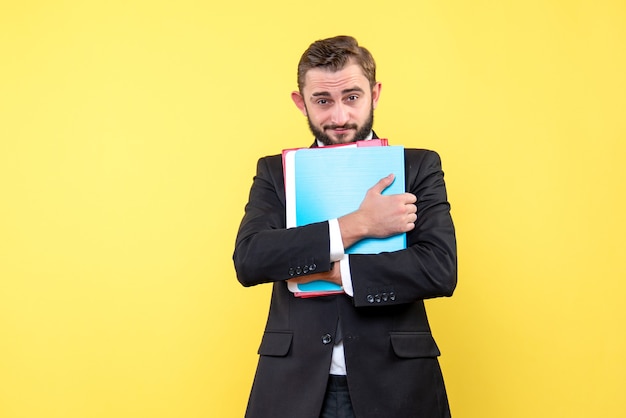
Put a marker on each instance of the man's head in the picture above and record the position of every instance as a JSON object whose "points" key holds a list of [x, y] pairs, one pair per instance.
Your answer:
{"points": [[338, 91]]}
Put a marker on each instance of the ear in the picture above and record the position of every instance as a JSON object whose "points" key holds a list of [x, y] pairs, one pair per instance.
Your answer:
{"points": [[376, 94], [299, 101]]}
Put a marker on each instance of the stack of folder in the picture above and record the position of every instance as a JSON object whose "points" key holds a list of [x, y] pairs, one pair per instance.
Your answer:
{"points": [[329, 182]]}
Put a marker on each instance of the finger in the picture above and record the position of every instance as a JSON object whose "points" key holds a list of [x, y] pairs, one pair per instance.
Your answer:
{"points": [[410, 198], [382, 184]]}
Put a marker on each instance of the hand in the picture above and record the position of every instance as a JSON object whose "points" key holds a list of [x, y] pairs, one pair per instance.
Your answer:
{"points": [[379, 216], [333, 275]]}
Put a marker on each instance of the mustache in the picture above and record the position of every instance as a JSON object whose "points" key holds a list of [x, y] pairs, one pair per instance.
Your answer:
{"points": [[346, 126]]}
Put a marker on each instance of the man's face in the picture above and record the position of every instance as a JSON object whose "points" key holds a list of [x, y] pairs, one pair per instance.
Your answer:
{"points": [[339, 105]]}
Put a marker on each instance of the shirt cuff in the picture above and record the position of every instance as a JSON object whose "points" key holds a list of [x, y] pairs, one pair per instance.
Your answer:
{"points": [[346, 277], [336, 242]]}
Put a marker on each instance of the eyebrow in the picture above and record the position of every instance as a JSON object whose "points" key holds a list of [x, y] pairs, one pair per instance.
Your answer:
{"points": [[343, 92]]}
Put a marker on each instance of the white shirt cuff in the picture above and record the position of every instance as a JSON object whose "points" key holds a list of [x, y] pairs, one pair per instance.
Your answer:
{"points": [[346, 277], [337, 254], [336, 242]]}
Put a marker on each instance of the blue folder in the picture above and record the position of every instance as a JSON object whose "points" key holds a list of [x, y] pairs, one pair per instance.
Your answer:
{"points": [[328, 183]]}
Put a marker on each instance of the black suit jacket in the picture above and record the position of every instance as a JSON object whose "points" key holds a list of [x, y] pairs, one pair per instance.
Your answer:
{"points": [[391, 356]]}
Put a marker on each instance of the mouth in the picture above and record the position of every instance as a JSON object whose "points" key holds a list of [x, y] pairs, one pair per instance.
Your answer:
{"points": [[341, 130]]}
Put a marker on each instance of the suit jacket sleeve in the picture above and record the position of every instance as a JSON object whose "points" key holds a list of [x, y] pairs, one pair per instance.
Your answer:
{"points": [[264, 250], [428, 267]]}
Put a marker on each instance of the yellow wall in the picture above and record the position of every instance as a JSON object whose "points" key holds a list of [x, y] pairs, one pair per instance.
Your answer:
{"points": [[129, 133]]}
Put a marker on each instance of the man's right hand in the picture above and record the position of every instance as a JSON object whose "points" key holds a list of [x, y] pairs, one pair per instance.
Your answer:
{"points": [[379, 215]]}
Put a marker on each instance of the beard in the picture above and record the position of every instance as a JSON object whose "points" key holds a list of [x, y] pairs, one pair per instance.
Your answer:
{"points": [[360, 134]]}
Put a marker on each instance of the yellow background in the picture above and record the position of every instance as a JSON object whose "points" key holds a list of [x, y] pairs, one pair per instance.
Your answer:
{"points": [[129, 133]]}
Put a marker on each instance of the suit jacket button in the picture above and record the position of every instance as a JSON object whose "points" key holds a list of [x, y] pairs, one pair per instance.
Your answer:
{"points": [[327, 339], [298, 270], [377, 297], [370, 298], [291, 272], [312, 267], [305, 269], [392, 296]]}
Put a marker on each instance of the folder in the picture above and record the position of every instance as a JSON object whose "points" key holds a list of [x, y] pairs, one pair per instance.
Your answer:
{"points": [[329, 182]]}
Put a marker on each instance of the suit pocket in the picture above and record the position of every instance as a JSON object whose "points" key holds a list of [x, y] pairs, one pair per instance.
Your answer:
{"points": [[275, 343], [414, 344]]}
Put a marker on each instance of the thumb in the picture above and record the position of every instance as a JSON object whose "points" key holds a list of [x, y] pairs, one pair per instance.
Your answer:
{"points": [[383, 184]]}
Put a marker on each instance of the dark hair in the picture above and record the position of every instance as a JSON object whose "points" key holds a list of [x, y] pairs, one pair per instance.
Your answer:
{"points": [[333, 54]]}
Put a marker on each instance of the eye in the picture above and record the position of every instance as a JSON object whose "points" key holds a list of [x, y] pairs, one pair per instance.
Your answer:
{"points": [[322, 102], [352, 97]]}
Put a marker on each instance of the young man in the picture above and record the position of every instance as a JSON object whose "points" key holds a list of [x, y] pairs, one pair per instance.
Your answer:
{"points": [[367, 352]]}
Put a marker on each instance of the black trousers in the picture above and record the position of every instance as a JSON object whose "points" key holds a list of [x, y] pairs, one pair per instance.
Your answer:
{"points": [[337, 402]]}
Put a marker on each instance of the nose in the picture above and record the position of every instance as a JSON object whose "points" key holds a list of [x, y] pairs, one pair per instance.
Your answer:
{"points": [[340, 115]]}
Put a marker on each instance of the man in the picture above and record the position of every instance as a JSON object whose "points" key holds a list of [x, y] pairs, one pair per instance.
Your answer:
{"points": [[367, 352]]}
